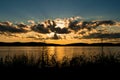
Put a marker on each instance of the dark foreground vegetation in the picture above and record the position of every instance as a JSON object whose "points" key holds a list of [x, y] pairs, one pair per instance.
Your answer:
{"points": [[99, 65]]}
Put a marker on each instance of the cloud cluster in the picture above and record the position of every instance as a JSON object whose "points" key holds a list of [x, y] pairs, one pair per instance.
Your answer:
{"points": [[9, 27], [68, 25], [73, 27], [106, 35]]}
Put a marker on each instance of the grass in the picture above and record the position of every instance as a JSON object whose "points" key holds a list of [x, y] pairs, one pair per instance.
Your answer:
{"points": [[105, 63], [45, 62]]}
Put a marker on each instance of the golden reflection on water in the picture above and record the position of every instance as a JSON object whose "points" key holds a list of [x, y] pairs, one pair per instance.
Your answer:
{"points": [[59, 51]]}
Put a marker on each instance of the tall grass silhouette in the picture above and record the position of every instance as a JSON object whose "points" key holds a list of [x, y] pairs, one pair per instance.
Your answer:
{"points": [[50, 61], [48, 65]]}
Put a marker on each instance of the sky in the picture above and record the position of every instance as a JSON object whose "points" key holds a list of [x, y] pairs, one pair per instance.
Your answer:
{"points": [[35, 20], [21, 10]]}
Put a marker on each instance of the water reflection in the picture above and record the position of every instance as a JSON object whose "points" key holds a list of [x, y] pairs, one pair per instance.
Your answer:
{"points": [[59, 51]]}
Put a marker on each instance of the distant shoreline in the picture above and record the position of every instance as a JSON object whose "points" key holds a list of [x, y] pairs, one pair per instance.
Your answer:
{"points": [[51, 44]]}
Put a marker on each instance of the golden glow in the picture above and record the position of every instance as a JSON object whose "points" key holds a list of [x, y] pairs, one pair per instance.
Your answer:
{"points": [[62, 23], [22, 38], [66, 30], [57, 51]]}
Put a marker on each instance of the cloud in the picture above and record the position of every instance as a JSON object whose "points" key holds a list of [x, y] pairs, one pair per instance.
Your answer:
{"points": [[40, 28], [32, 22], [7, 23], [8, 27], [107, 35], [66, 28], [62, 26], [23, 27], [49, 26]]}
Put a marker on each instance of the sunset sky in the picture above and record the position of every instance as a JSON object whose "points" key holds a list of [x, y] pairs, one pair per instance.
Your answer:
{"points": [[22, 10], [35, 20]]}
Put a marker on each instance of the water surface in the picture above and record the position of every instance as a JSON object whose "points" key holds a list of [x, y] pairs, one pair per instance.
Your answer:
{"points": [[59, 51]]}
